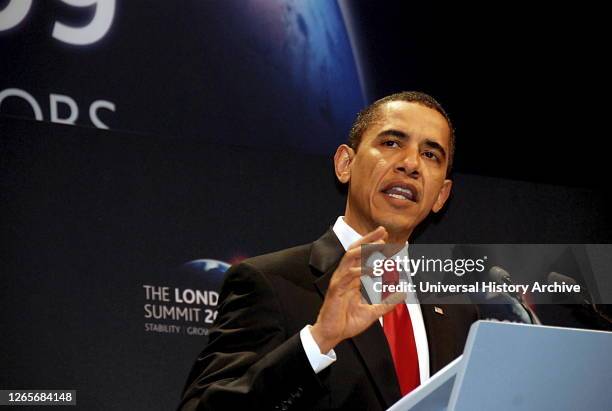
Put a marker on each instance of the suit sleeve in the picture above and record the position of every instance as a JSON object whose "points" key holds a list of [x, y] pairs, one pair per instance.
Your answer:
{"points": [[250, 362]]}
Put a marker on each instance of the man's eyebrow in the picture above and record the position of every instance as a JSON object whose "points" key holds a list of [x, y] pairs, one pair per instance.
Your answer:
{"points": [[393, 133], [434, 145], [428, 142]]}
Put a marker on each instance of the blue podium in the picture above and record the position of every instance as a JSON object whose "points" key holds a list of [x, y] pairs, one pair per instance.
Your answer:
{"points": [[510, 366]]}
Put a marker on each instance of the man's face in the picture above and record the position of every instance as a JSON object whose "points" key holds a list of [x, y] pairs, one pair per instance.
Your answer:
{"points": [[397, 176]]}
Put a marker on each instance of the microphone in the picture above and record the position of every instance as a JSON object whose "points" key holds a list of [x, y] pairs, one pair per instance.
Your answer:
{"points": [[501, 276], [583, 298], [556, 278]]}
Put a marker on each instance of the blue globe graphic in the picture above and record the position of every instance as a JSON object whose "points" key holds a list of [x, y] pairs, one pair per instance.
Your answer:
{"points": [[280, 72], [204, 273], [207, 266]]}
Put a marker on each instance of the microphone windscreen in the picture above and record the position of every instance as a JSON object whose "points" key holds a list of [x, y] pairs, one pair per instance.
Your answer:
{"points": [[498, 274]]}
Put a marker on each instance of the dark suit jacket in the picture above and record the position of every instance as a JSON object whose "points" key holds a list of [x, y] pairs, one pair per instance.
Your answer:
{"points": [[255, 359]]}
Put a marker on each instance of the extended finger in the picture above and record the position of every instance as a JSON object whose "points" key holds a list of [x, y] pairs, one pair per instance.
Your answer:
{"points": [[354, 256]]}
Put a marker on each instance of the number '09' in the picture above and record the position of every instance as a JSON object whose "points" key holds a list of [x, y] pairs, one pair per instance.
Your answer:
{"points": [[17, 10]]}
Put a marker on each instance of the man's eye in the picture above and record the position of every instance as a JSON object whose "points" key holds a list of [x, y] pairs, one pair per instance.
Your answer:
{"points": [[430, 155], [391, 143]]}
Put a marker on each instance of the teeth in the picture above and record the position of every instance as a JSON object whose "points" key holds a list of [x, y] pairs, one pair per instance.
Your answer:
{"points": [[403, 190], [401, 193]]}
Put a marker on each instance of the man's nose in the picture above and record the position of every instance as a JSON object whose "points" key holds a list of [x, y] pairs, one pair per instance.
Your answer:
{"points": [[409, 163]]}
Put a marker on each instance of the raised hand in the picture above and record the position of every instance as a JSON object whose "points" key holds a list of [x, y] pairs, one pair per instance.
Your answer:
{"points": [[344, 314]]}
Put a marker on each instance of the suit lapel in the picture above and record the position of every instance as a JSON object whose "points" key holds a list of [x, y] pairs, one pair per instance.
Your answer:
{"points": [[372, 345], [433, 321]]}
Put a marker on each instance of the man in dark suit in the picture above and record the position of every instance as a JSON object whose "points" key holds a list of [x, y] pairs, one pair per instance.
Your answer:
{"points": [[263, 352]]}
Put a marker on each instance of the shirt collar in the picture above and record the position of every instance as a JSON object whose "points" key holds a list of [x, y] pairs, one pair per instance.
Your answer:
{"points": [[345, 233]]}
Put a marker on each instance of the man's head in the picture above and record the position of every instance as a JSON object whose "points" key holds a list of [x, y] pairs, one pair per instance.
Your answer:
{"points": [[371, 113], [396, 164]]}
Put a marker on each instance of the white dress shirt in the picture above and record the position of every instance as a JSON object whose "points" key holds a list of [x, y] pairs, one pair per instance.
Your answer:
{"points": [[319, 361]]}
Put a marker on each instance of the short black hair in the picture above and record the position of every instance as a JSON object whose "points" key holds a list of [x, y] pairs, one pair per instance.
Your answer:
{"points": [[371, 113]]}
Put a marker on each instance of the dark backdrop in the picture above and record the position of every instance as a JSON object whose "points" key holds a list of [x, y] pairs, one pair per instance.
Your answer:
{"points": [[225, 117]]}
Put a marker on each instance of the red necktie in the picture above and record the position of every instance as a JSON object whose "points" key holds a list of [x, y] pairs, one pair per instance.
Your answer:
{"points": [[400, 336]]}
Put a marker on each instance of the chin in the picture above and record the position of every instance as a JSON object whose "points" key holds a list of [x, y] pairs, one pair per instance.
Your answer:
{"points": [[398, 226]]}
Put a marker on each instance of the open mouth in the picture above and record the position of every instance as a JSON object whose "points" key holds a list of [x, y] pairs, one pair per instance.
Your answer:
{"points": [[401, 191]]}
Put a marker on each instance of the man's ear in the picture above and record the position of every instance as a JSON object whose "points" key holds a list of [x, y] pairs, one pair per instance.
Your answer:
{"points": [[342, 163], [443, 195]]}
